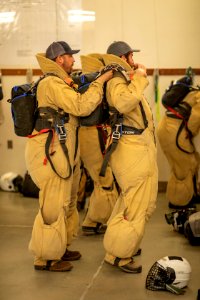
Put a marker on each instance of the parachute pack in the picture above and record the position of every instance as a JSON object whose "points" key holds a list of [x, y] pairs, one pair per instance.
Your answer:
{"points": [[101, 114], [179, 89], [24, 107]]}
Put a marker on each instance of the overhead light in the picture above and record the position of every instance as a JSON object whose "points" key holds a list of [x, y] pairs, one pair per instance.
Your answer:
{"points": [[7, 17], [79, 16]]}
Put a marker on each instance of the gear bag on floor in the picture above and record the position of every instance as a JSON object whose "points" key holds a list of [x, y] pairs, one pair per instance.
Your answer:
{"points": [[29, 188], [192, 229]]}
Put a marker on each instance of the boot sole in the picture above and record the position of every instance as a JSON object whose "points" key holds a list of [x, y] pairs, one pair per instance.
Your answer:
{"points": [[124, 269], [136, 271], [72, 258], [46, 268]]}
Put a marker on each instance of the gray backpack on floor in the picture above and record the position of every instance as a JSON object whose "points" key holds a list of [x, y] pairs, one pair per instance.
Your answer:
{"points": [[192, 229]]}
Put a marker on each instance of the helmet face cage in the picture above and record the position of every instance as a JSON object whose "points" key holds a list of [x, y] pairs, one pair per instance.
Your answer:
{"points": [[158, 277], [170, 273]]}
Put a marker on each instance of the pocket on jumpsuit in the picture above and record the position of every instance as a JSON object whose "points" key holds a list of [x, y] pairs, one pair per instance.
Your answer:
{"points": [[121, 238], [180, 192], [101, 204], [49, 241], [36, 157]]}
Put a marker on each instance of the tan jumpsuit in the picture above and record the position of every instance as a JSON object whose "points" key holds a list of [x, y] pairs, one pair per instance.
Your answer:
{"points": [[184, 166], [55, 192], [134, 166], [104, 195]]}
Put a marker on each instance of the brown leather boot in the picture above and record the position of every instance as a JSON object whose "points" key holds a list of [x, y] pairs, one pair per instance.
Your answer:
{"points": [[59, 266], [71, 255], [99, 229], [131, 267]]}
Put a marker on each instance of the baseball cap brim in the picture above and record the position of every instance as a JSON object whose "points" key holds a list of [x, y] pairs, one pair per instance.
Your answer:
{"points": [[73, 52]]}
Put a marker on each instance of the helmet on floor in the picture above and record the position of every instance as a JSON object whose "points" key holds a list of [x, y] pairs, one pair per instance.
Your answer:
{"points": [[11, 182], [171, 273]]}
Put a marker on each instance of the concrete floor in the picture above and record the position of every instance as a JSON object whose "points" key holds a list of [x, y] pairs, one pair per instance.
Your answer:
{"points": [[91, 278]]}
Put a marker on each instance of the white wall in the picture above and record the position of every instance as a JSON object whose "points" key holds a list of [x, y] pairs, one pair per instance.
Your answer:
{"points": [[167, 32]]}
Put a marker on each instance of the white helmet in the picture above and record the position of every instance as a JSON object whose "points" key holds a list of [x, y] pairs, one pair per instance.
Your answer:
{"points": [[170, 273], [11, 182]]}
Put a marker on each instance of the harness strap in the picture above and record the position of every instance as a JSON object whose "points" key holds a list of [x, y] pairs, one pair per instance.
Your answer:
{"points": [[109, 151], [103, 136], [117, 133], [143, 115], [49, 120], [182, 125], [76, 144], [126, 130], [48, 155], [177, 115]]}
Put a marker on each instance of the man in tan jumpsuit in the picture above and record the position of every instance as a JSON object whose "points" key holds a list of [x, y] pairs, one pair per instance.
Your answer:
{"points": [[133, 162], [104, 194], [180, 151], [57, 193]]}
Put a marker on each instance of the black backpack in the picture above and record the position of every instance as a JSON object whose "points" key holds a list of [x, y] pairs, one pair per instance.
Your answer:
{"points": [[24, 107], [177, 91], [101, 114]]}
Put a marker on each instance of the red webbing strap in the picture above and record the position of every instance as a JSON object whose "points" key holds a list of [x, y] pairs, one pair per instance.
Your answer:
{"points": [[184, 123], [176, 113], [40, 132], [45, 130], [103, 136]]}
